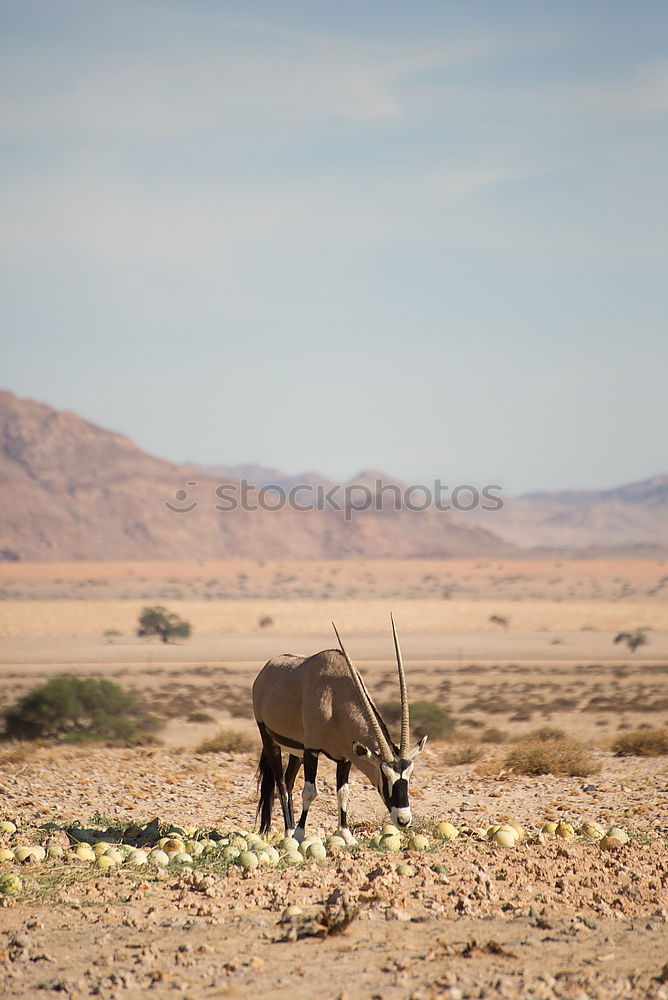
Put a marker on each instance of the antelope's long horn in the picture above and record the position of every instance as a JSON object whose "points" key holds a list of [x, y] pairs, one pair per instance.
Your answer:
{"points": [[405, 708], [385, 751]]}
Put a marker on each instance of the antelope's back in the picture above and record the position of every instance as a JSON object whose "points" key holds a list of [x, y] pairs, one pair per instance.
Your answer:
{"points": [[311, 700], [276, 701]]}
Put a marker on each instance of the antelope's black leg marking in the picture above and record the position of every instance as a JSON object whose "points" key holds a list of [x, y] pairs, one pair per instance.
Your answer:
{"points": [[310, 791], [291, 771], [342, 797], [271, 778]]}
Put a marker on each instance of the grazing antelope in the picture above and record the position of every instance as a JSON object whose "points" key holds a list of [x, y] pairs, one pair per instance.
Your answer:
{"points": [[319, 704]]}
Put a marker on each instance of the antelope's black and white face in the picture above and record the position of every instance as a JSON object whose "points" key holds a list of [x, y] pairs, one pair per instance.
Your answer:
{"points": [[392, 780]]}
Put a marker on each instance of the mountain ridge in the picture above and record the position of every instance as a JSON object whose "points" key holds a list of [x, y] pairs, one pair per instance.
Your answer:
{"points": [[72, 490]]}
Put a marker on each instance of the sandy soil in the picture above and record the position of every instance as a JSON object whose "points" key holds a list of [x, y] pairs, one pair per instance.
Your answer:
{"points": [[515, 579], [544, 919]]}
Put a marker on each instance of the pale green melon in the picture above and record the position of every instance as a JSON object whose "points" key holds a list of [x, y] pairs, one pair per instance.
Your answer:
{"points": [[158, 858], [105, 861], [10, 885], [316, 851], [390, 842], [247, 860], [418, 843], [446, 831], [564, 830]]}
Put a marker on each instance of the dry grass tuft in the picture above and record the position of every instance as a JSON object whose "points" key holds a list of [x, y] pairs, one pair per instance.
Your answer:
{"points": [[550, 756], [544, 733], [493, 735], [228, 741], [13, 753], [200, 717], [642, 743], [466, 754]]}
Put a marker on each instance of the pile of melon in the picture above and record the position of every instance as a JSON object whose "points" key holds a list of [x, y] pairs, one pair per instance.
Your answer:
{"points": [[246, 850]]}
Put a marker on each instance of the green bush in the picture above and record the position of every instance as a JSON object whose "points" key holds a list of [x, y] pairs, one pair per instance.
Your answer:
{"points": [[427, 718], [78, 709]]}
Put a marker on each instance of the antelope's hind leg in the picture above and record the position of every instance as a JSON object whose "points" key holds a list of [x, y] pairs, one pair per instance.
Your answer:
{"points": [[271, 751], [310, 791], [342, 798]]}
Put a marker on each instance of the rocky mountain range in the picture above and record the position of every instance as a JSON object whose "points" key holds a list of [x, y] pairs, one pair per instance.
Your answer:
{"points": [[72, 490]]}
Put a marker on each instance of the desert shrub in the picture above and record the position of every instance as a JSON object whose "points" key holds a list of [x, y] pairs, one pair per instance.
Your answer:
{"points": [[545, 733], [493, 735], [466, 754], [265, 621], [499, 620], [427, 718], [159, 621], [469, 723], [642, 743], [551, 756], [200, 717], [77, 709], [227, 741]]}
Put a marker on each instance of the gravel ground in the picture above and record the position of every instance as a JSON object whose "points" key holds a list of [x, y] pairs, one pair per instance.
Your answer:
{"points": [[544, 919]]}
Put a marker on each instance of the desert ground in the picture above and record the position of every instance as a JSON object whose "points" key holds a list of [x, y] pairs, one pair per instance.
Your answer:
{"points": [[508, 647]]}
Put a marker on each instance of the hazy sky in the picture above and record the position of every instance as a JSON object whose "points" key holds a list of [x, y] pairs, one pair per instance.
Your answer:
{"points": [[428, 237]]}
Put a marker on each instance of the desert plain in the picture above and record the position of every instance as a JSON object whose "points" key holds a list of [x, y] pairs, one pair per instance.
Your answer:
{"points": [[509, 647]]}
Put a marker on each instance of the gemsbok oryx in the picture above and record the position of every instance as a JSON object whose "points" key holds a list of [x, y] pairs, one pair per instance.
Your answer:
{"points": [[319, 704]]}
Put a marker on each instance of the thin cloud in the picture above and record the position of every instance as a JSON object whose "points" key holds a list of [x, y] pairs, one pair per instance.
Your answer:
{"points": [[186, 87]]}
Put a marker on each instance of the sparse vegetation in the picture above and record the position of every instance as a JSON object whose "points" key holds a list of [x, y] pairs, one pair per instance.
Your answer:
{"points": [[642, 743], [499, 620], [550, 756], [493, 735], [200, 717], [158, 621], [632, 639], [265, 621], [78, 709], [468, 753], [545, 733], [427, 718], [228, 741]]}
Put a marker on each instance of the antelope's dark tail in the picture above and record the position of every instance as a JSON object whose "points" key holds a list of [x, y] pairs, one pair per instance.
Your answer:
{"points": [[266, 784]]}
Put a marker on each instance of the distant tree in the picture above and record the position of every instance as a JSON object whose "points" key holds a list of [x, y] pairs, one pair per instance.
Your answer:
{"points": [[159, 621], [632, 639]]}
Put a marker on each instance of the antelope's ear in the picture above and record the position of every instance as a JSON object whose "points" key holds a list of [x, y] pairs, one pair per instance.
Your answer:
{"points": [[360, 750], [418, 748]]}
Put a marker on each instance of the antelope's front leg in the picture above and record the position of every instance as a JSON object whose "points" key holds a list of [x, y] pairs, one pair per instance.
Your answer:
{"points": [[342, 798], [310, 791]]}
